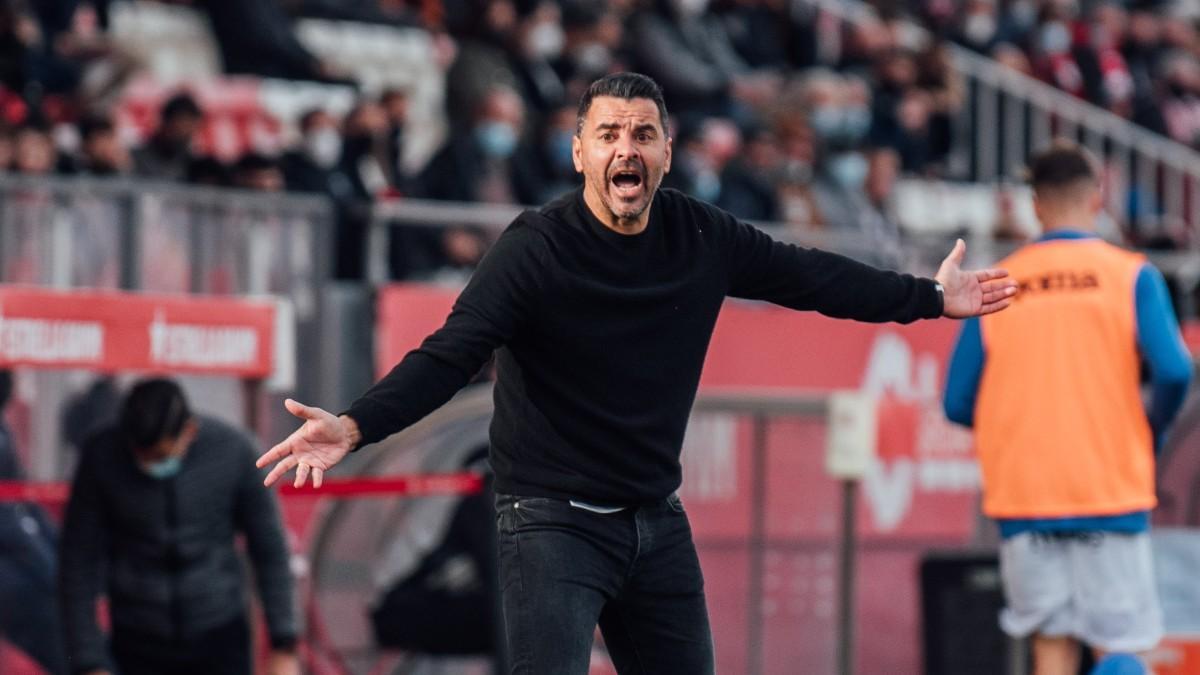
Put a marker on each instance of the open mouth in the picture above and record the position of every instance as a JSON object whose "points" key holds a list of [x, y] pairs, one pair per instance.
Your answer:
{"points": [[627, 182]]}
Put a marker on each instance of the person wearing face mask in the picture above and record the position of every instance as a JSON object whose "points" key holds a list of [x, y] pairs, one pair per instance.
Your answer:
{"points": [[535, 46], [848, 195], [543, 168], [157, 503], [475, 165], [315, 166], [312, 166]]}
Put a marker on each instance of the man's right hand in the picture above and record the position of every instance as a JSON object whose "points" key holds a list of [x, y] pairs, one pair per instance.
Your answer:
{"points": [[322, 441]]}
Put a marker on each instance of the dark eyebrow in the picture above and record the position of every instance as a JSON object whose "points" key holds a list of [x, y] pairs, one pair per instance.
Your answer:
{"points": [[614, 126]]}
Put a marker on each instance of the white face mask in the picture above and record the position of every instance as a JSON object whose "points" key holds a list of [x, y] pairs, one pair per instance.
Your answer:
{"points": [[979, 28], [324, 147], [545, 40], [593, 58], [691, 7]]}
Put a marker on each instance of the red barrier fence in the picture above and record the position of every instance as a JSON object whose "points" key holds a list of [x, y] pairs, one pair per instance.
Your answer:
{"points": [[413, 485]]}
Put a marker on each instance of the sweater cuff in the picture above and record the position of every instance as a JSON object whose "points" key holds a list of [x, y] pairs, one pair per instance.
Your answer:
{"points": [[372, 421], [284, 642], [933, 301]]}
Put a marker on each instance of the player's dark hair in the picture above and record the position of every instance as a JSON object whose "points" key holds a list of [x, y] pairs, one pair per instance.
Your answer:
{"points": [[154, 410], [1062, 166]]}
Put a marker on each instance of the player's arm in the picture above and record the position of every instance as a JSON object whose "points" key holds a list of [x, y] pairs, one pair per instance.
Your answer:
{"points": [[964, 374], [1162, 347]]}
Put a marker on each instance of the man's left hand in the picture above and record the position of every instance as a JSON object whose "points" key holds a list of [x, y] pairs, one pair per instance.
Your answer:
{"points": [[972, 292], [283, 662]]}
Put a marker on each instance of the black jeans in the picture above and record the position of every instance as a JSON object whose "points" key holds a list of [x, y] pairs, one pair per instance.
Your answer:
{"points": [[225, 650], [564, 569]]}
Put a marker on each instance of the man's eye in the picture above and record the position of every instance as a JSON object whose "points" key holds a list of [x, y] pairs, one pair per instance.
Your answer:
{"points": [[608, 137]]}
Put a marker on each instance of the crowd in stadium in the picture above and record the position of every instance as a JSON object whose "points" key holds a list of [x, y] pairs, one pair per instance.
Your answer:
{"points": [[781, 112]]}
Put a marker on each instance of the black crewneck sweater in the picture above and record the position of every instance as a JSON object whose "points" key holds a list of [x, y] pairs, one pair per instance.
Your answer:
{"points": [[600, 339]]}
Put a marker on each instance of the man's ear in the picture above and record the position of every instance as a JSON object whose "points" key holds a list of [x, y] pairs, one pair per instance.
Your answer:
{"points": [[667, 163], [577, 153], [1096, 200]]}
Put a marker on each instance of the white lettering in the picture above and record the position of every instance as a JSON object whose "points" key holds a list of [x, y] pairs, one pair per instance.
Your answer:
{"points": [[49, 340], [181, 344]]}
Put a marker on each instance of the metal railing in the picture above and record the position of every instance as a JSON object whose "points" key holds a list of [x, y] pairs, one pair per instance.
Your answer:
{"points": [[1153, 182], [168, 238]]}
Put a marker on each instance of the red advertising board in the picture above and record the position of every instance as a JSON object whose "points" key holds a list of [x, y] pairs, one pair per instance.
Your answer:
{"points": [[110, 331]]}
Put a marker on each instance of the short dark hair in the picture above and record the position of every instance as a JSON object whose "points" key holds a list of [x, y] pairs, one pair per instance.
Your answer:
{"points": [[154, 410], [254, 161], [93, 125], [1063, 165], [627, 86], [180, 104]]}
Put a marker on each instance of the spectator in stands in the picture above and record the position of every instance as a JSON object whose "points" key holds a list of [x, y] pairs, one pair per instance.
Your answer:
{"points": [[545, 165], [365, 149], [256, 38], [748, 188], [313, 165], [902, 111], [255, 171], [1180, 101], [980, 26], [1053, 60], [1012, 56], [208, 170], [688, 50], [76, 58], [168, 153], [481, 62], [28, 559], [536, 44], [33, 150], [594, 34], [938, 78], [475, 165], [156, 505], [101, 151], [395, 107], [840, 188], [792, 129], [1144, 54], [1107, 81], [759, 31]]}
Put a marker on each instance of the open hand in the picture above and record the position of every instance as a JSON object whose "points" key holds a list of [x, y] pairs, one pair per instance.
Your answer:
{"points": [[322, 441], [972, 292]]}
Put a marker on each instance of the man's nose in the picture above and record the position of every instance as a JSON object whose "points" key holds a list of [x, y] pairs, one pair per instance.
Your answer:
{"points": [[627, 149]]}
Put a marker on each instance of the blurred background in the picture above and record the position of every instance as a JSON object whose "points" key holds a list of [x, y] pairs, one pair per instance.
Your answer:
{"points": [[354, 159]]}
